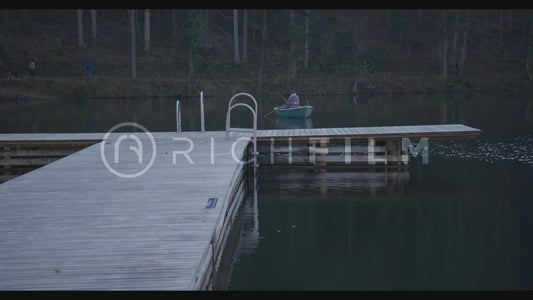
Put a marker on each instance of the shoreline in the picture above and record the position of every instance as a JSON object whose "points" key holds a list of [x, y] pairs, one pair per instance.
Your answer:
{"points": [[84, 87]]}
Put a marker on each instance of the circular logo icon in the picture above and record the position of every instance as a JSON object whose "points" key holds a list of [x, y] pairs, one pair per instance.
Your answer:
{"points": [[127, 150]]}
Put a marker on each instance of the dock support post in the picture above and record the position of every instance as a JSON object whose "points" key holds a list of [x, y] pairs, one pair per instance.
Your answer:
{"points": [[313, 149], [6, 157], [273, 150], [347, 150], [324, 163], [397, 151], [371, 144]]}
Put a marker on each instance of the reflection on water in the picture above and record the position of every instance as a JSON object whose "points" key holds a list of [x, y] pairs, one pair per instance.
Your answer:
{"points": [[287, 123], [501, 115], [306, 189], [294, 123], [449, 225], [294, 182], [518, 148]]}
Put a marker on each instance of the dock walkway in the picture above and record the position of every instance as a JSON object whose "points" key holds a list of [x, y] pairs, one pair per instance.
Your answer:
{"points": [[383, 132], [74, 225]]}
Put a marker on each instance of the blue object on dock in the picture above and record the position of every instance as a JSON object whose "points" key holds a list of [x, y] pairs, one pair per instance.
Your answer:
{"points": [[211, 203]]}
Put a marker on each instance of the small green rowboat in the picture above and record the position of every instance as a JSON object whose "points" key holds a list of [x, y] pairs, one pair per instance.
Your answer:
{"points": [[297, 112]]}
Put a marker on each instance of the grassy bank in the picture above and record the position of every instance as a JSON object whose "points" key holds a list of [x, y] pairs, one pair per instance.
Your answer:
{"points": [[112, 87]]}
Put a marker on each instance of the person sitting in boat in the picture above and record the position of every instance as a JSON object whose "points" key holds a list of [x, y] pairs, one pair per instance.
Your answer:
{"points": [[293, 101]]}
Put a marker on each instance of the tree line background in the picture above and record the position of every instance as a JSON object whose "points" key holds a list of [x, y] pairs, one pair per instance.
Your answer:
{"points": [[366, 50]]}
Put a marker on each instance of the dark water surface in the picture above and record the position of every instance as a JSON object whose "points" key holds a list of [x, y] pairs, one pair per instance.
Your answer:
{"points": [[462, 221]]}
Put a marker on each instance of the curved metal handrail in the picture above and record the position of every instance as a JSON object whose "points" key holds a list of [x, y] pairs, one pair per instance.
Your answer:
{"points": [[254, 113], [228, 118], [243, 94]]}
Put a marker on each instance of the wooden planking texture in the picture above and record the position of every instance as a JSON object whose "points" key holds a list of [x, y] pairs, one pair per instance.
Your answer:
{"points": [[73, 225]]}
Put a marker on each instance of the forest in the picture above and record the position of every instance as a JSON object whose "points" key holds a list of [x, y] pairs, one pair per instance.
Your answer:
{"points": [[169, 52]]}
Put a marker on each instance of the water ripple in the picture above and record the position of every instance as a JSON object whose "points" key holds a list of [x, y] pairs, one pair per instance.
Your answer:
{"points": [[519, 149]]}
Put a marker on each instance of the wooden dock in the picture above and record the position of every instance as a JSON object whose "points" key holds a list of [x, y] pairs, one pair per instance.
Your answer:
{"points": [[382, 132], [74, 225], [389, 146], [20, 154]]}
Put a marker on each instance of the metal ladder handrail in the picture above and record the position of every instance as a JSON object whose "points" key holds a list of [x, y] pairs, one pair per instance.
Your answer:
{"points": [[178, 116], [253, 130], [202, 118]]}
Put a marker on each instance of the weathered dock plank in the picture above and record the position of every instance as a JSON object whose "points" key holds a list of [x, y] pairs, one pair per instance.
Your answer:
{"points": [[429, 131], [73, 225]]}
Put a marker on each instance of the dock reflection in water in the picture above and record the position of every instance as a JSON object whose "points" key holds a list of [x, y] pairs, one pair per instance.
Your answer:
{"points": [[294, 123], [294, 189], [317, 184]]}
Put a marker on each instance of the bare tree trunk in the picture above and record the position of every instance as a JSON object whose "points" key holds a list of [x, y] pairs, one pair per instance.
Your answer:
{"points": [[173, 23], [355, 27], [510, 21], [80, 28], [263, 42], [196, 39], [524, 28], [190, 74], [146, 30], [444, 47], [501, 31], [5, 21], [137, 22], [254, 15], [388, 21], [192, 45], [206, 32], [453, 57], [245, 35], [133, 43], [236, 55], [401, 30], [306, 38], [529, 57], [439, 50], [409, 34], [292, 67], [463, 50], [93, 23]]}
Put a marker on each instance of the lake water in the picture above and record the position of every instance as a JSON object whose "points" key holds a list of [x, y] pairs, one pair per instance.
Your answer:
{"points": [[461, 222]]}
